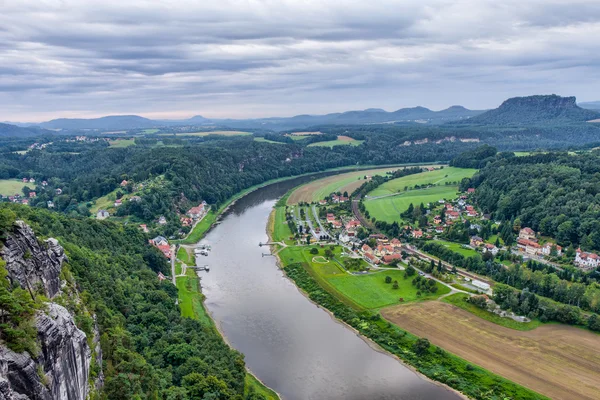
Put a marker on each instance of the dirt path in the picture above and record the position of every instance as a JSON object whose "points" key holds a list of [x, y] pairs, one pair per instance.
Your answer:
{"points": [[559, 361]]}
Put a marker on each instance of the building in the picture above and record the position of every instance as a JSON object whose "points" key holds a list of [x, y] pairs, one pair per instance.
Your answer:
{"points": [[476, 241], [353, 223], [471, 190], [25, 180], [123, 183], [417, 234], [58, 191], [25, 202], [437, 220], [491, 248], [159, 241], [529, 246], [338, 199], [135, 198], [452, 215], [366, 248], [480, 285], [31, 180], [390, 258], [44, 183], [439, 229], [586, 261], [144, 228], [102, 214], [118, 202], [32, 195], [50, 204], [528, 234], [161, 277], [370, 257], [162, 220], [198, 212], [547, 249]]}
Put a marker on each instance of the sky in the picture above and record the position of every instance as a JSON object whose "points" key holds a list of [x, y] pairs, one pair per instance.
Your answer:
{"points": [[259, 58]]}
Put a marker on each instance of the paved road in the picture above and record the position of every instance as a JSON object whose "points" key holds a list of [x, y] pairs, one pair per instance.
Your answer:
{"points": [[536, 258]]}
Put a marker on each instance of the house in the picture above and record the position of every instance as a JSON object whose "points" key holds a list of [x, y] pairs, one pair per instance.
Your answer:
{"points": [[165, 249], [380, 238], [389, 258], [370, 257], [58, 191], [471, 211], [336, 224], [197, 212], [102, 214], [439, 229], [322, 202], [162, 220], [25, 202], [50, 204], [144, 228], [353, 223], [185, 221], [437, 220], [366, 248], [159, 241], [31, 180], [528, 246], [452, 215], [330, 217], [338, 199], [417, 234], [161, 277], [449, 207], [395, 243], [471, 190], [32, 195], [476, 241], [135, 198], [547, 249], [118, 202], [25, 180], [491, 248], [528, 234], [44, 183], [123, 183], [586, 261]]}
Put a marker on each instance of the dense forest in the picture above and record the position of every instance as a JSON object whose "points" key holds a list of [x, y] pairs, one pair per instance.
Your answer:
{"points": [[556, 194], [150, 351]]}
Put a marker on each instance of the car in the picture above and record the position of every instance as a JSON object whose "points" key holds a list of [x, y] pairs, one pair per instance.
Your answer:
{"points": [[421, 273]]}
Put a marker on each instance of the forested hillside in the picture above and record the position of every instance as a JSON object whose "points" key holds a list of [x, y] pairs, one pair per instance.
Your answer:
{"points": [[150, 351], [556, 194]]}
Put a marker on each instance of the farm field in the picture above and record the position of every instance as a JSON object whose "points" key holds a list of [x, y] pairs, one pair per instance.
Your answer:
{"points": [[223, 133], [121, 143], [341, 140], [9, 187], [319, 189], [439, 176], [558, 361], [389, 208]]}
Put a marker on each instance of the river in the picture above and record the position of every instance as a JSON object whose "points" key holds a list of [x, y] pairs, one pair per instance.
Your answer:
{"points": [[293, 346]]}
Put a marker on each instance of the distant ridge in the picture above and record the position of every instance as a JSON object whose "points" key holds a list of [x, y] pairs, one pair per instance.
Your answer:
{"points": [[9, 130], [535, 110], [368, 116]]}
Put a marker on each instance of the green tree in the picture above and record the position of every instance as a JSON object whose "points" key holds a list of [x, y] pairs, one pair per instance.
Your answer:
{"points": [[421, 346]]}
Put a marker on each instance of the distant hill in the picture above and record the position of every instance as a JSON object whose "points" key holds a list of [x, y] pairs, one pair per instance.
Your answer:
{"points": [[535, 110], [368, 116], [8, 130], [112, 122]]}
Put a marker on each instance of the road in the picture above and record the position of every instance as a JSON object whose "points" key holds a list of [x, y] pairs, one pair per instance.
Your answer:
{"points": [[535, 258], [296, 215]]}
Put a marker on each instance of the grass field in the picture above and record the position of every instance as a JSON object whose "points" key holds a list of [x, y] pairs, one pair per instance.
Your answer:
{"points": [[321, 188], [559, 361], [457, 247], [150, 130], [368, 291], [341, 140], [389, 208], [121, 143], [207, 133], [439, 176], [256, 386], [9, 187]]}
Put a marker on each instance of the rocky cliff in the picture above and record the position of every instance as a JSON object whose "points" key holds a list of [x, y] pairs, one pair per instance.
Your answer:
{"points": [[60, 370]]}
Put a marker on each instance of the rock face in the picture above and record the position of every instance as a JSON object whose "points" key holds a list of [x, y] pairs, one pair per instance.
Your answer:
{"points": [[32, 264], [61, 369]]}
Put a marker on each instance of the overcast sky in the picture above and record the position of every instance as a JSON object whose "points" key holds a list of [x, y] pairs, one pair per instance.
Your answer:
{"points": [[255, 58]]}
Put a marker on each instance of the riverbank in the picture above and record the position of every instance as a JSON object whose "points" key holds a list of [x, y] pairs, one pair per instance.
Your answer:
{"points": [[433, 362], [200, 229], [191, 303]]}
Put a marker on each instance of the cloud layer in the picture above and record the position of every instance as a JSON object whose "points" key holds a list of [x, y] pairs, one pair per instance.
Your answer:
{"points": [[234, 58]]}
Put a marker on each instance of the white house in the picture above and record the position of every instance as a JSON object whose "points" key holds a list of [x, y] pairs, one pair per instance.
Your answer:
{"points": [[586, 260]]}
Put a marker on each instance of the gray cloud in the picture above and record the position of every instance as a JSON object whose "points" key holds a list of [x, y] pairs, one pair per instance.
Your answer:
{"points": [[240, 58]]}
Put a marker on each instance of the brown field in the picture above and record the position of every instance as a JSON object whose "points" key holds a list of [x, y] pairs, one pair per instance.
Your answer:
{"points": [[345, 138], [559, 361]]}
